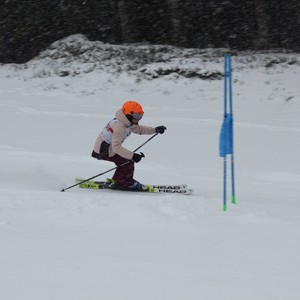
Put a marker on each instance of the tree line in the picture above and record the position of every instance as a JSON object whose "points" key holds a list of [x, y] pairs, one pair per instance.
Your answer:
{"points": [[29, 26]]}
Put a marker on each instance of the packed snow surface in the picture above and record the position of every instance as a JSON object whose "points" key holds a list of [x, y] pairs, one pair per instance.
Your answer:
{"points": [[89, 244]]}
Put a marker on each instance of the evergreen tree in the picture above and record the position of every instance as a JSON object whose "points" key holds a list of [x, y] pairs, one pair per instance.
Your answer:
{"points": [[29, 26]]}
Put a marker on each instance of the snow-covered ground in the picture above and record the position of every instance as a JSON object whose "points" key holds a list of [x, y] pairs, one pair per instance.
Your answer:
{"points": [[86, 244]]}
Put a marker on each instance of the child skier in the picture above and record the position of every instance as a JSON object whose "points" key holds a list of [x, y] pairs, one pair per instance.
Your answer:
{"points": [[108, 145]]}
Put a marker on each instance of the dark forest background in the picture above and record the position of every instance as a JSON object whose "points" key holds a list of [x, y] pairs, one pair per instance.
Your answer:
{"points": [[29, 26]]}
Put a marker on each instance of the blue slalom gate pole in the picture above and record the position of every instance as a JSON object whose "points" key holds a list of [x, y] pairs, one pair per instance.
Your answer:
{"points": [[233, 200], [226, 75], [226, 135], [232, 134]]}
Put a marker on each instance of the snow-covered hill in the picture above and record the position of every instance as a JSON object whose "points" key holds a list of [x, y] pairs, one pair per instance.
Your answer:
{"points": [[85, 244]]}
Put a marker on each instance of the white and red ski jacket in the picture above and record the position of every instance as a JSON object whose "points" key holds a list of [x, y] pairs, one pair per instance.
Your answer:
{"points": [[115, 133]]}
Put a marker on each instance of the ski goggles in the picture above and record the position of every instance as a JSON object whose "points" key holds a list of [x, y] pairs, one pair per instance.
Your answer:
{"points": [[137, 116]]}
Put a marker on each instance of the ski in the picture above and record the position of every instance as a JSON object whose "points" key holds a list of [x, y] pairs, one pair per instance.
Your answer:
{"points": [[166, 187], [179, 189]]}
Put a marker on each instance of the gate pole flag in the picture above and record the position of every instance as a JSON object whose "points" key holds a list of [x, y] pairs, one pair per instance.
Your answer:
{"points": [[226, 135]]}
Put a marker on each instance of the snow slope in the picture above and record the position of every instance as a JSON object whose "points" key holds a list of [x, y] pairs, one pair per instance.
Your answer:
{"points": [[85, 244]]}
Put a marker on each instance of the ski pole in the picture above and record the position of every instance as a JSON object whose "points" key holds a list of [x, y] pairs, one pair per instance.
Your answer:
{"points": [[125, 163], [153, 136]]}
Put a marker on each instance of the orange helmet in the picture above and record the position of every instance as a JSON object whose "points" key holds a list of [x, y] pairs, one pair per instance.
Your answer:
{"points": [[134, 109]]}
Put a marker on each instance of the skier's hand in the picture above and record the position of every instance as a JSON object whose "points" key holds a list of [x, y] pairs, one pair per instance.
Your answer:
{"points": [[160, 129], [137, 157]]}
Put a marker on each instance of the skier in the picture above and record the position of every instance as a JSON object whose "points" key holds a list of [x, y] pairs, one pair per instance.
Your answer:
{"points": [[108, 145]]}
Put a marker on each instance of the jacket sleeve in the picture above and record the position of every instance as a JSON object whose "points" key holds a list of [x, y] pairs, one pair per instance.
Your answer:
{"points": [[117, 141], [139, 129]]}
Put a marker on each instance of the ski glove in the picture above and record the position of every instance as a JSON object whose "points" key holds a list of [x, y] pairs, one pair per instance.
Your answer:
{"points": [[160, 129], [137, 157]]}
